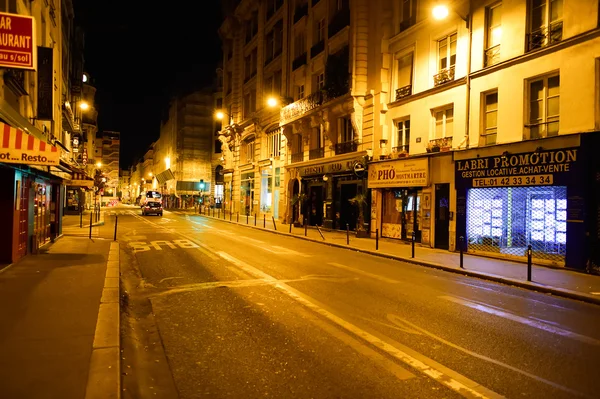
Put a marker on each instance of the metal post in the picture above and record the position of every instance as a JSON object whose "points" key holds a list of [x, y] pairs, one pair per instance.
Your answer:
{"points": [[290, 227], [413, 244], [274, 225], [377, 239], [219, 213], [237, 217], [265, 221], [91, 216], [305, 228], [247, 216], [80, 218], [116, 223], [230, 215], [461, 241], [319, 230], [255, 219], [347, 234], [529, 262]]}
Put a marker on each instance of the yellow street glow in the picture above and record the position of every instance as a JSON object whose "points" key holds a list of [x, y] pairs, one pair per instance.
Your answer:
{"points": [[440, 11], [272, 101], [220, 115]]}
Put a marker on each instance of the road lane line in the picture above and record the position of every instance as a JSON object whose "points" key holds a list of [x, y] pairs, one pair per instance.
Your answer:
{"points": [[523, 320], [367, 274], [457, 382]]}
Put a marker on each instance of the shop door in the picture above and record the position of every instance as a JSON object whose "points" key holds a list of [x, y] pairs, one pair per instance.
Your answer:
{"points": [[23, 213], [348, 212], [442, 215], [315, 216]]}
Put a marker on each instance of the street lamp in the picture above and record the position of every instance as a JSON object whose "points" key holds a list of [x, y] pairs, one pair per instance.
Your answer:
{"points": [[440, 11], [274, 101], [84, 105]]}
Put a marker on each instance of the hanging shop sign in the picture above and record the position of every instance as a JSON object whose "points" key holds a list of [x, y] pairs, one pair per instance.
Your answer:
{"points": [[540, 168], [331, 168], [16, 146], [405, 173], [17, 41]]}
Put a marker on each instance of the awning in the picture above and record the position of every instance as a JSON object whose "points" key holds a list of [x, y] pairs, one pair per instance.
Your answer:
{"points": [[165, 176], [16, 146]]}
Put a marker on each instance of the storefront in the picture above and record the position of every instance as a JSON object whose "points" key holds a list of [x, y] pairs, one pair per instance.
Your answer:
{"points": [[526, 194], [247, 202], [399, 185]]}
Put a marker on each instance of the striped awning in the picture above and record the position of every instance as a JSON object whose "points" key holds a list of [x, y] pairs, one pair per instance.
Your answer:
{"points": [[17, 146]]}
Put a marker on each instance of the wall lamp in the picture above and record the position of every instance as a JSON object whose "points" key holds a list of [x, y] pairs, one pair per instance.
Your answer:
{"points": [[441, 11], [274, 101], [505, 155]]}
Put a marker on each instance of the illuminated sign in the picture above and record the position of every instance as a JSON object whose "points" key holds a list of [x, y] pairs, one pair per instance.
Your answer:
{"points": [[16, 146], [406, 173], [17, 41]]}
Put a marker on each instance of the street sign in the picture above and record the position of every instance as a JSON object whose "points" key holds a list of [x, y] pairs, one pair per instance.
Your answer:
{"points": [[359, 168]]}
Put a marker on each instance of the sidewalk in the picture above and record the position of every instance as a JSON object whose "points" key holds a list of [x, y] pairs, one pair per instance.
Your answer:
{"points": [[79, 225], [55, 330], [556, 281]]}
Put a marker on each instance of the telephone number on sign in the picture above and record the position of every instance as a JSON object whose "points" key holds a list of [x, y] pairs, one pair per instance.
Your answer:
{"points": [[533, 180]]}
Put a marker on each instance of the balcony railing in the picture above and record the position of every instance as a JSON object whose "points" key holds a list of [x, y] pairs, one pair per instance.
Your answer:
{"points": [[339, 21], [298, 108], [300, 12], [401, 149], [316, 153], [445, 75], [299, 61], [545, 36], [298, 157], [403, 91], [444, 144], [346, 147], [317, 49], [492, 55]]}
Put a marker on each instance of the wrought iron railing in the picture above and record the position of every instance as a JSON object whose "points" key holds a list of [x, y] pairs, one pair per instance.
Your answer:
{"points": [[346, 147], [316, 153], [317, 48], [444, 76], [545, 36], [403, 91], [299, 61], [438, 144], [298, 157], [492, 55], [401, 149], [339, 21]]}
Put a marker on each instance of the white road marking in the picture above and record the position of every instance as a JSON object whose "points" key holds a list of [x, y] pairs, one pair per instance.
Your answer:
{"points": [[523, 320], [595, 293], [464, 387], [168, 278], [367, 274]]}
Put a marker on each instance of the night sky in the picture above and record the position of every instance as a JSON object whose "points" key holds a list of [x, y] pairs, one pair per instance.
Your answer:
{"points": [[139, 54]]}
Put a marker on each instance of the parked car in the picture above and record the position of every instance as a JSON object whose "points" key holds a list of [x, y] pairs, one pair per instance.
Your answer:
{"points": [[152, 207]]}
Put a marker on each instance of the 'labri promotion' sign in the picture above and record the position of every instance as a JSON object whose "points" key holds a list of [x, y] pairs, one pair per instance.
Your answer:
{"points": [[17, 41], [409, 173], [525, 169]]}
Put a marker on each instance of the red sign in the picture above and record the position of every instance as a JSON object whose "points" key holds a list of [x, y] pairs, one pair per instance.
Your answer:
{"points": [[17, 37]]}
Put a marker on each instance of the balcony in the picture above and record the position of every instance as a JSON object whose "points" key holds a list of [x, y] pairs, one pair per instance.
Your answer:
{"points": [[317, 49], [298, 157], [300, 11], [346, 147], [441, 144], [401, 150], [545, 36], [299, 108], [403, 91], [299, 61], [316, 153], [492, 55], [445, 76], [339, 21]]}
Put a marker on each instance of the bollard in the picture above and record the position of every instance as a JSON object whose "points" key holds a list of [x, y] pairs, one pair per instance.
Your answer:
{"points": [[347, 234], [237, 217], [255, 219], [377, 239], [91, 216], [291, 227], [265, 221], [219, 213], [305, 229], [319, 230], [461, 241], [274, 225], [81, 219], [230, 215], [413, 244], [529, 262], [247, 217], [116, 223]]}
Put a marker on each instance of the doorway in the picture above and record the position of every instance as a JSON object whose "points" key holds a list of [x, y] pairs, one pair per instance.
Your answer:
{"points": [[348, 212], [315, 203], [442, 215]]}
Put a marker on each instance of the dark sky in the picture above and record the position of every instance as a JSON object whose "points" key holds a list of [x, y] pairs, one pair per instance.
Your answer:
{"points": [[139, 54]]}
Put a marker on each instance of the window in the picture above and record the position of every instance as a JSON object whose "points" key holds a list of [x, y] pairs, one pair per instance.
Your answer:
{"points": [[272, 7], [228, 82], [299, 44], [249, 102], [346, 130], [408, 14], [218, 145], [444, 123], [544, 107], [545, 23], [299, 92], [494, 34], [319, 30], [247, 152], [402, 141], [319, 82], [250, 65], [273, 84], [447, 52], [273, 42], [490, 118], [252, 27], [274, 143], [404, 76]]}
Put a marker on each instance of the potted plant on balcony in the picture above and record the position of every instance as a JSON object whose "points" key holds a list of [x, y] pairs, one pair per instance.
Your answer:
{"points": [[433, 146], [360, 200], [299, 199]]}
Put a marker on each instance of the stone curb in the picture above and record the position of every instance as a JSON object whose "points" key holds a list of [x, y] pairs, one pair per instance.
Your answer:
{"points": [[547, 289], [104, 378]]}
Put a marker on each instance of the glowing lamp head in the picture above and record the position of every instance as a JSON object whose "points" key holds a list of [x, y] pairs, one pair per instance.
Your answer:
{"points": [[272, 102], [84, 106], [220, 115], [440, 11]]}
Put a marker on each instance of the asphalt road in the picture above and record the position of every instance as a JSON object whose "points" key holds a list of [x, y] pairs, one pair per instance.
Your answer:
{"points": [[218, 310]]}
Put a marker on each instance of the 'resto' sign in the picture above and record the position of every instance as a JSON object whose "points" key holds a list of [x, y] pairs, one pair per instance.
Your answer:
{"points": [[17, 41], [523, 169]]}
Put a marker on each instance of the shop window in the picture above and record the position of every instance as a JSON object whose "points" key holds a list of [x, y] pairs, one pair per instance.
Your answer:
{"points": [[490, 118], [544, 107], [247, 192], [266, 190], [493, 34], [507, 219]]}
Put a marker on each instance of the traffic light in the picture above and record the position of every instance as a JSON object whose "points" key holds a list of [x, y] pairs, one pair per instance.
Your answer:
{"points": [[201, 185]]}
